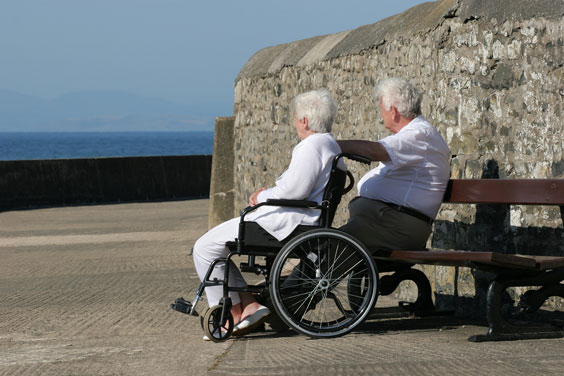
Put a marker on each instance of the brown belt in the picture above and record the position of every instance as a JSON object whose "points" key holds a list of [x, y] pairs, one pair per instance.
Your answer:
{"points": [[412, 212]]}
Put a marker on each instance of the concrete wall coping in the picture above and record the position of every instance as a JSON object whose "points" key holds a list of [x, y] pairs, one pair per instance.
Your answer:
{"points": [[420, 18]]}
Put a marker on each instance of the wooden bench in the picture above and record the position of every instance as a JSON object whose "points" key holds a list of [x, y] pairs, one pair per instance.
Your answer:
{"points": [[510, 270]]}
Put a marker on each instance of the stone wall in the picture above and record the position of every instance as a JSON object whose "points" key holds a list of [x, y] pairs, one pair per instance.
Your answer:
{"points": [[492, 75], [55, 182], [221, 186]]}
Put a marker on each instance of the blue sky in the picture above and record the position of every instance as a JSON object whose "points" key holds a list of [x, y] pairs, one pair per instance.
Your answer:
{"points": [[184, 51]]}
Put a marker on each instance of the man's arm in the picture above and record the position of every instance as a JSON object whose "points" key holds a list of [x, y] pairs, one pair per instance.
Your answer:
{"points": [[370, 149]]}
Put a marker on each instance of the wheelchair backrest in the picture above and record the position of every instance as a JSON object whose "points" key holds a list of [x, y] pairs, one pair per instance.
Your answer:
{"points": [[332, 195], [335, 188]]}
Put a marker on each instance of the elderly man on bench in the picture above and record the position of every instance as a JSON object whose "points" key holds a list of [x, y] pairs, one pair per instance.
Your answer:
{"points": [[399, 199]]}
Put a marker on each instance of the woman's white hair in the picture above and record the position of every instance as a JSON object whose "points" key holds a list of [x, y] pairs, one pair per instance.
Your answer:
{"points": [[318, 107], [401, 94]]}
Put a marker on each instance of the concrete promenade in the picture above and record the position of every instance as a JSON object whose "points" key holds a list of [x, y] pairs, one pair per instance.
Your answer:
{"points": [[86, 291]]}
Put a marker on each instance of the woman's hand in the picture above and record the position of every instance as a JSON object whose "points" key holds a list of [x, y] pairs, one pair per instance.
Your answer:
{"points": [[253, 199]]}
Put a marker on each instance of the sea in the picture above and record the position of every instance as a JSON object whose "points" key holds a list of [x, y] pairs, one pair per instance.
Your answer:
{"points": [[64, 145]]}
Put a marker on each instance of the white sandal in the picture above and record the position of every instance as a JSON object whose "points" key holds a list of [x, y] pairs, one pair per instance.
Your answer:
{"points": [[249, 323]]}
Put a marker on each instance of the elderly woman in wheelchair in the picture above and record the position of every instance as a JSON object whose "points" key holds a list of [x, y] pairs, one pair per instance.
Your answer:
{"points": [[319, 281]]}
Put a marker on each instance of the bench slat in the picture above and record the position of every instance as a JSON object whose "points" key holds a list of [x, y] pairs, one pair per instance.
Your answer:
{"points": [[549, 262], [514, 191], [467, 258]]}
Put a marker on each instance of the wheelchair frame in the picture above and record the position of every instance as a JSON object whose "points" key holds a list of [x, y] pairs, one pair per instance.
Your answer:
{"points": [[352, 293]]}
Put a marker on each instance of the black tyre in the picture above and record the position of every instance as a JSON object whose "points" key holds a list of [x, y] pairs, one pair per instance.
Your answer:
{"points": [[216, 329], [323, 283]]}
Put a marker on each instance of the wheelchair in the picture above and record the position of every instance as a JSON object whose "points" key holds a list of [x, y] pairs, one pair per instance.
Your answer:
{"points": [[320, 281]]}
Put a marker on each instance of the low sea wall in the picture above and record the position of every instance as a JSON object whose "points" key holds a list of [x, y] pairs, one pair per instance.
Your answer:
{"points": [[54, 182]]}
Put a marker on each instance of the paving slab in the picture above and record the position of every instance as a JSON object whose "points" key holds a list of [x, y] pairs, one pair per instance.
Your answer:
{"points": [[86, 291]]}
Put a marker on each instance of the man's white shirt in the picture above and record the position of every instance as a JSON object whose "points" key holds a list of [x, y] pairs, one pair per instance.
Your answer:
{"points": [[418, 172]]}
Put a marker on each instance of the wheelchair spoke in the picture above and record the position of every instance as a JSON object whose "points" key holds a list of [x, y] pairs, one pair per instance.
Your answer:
{"points": [[306, 254], [308, 293], [337, 280], [346, 314], [337, 256], [334, 259], [294, 278], [347, 272], [292, 305], [321, 310], [215, 329], [343, 262], [339, 294], [308, 305], [323, 283], [349, 295]]}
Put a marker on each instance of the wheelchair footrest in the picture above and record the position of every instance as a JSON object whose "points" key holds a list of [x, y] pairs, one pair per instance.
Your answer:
{"points": [[184, 306]]}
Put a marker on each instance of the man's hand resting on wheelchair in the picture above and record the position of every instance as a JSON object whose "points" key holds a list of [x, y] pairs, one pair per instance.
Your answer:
{"points": [[253, 199]]}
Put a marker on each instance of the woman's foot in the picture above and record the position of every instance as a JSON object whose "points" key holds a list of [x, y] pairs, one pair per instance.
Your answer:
{"points": [[251, 322], [250, 308], [237, 313]]}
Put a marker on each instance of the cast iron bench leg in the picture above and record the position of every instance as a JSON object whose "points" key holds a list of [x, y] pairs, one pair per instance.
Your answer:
{"points": [[423, 306], [500, 329]]}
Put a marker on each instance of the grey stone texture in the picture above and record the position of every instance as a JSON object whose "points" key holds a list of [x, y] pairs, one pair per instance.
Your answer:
{"points": [[492, 75], [221, 187]]}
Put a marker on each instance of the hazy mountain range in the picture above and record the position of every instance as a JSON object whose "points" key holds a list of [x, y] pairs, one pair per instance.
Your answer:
{"points": [[104, 111]]}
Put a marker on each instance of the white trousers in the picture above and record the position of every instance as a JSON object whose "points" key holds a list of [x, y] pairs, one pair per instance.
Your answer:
{"points": [[212, 246]]}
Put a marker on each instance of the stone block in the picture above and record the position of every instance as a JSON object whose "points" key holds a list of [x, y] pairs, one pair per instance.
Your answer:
{"points": [[222, 182]]}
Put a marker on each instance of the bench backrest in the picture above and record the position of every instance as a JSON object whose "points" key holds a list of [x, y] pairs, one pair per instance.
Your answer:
{"points": [[505, 191]]}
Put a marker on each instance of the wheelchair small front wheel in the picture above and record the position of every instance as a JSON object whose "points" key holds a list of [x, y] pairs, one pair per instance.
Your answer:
{"points": [[215, 328], [324, 283]]}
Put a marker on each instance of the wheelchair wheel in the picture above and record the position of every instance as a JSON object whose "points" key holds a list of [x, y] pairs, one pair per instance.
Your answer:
{"points": [[273, 320], [323, 283], [357, 286], [215, 329]]}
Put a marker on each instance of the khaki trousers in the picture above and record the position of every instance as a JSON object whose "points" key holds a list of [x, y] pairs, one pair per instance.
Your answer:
{"points": [[380, 227]]}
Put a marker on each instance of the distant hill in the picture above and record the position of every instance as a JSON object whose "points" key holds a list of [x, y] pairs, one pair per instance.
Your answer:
{"points": [[104, 111]]}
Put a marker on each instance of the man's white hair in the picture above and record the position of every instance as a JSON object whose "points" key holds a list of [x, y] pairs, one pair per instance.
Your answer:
{"points": [[318, 107], [401, 94]]}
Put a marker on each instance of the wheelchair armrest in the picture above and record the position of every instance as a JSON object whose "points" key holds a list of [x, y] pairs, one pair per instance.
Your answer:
{"points": [[282, 202], [295, 203]]}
